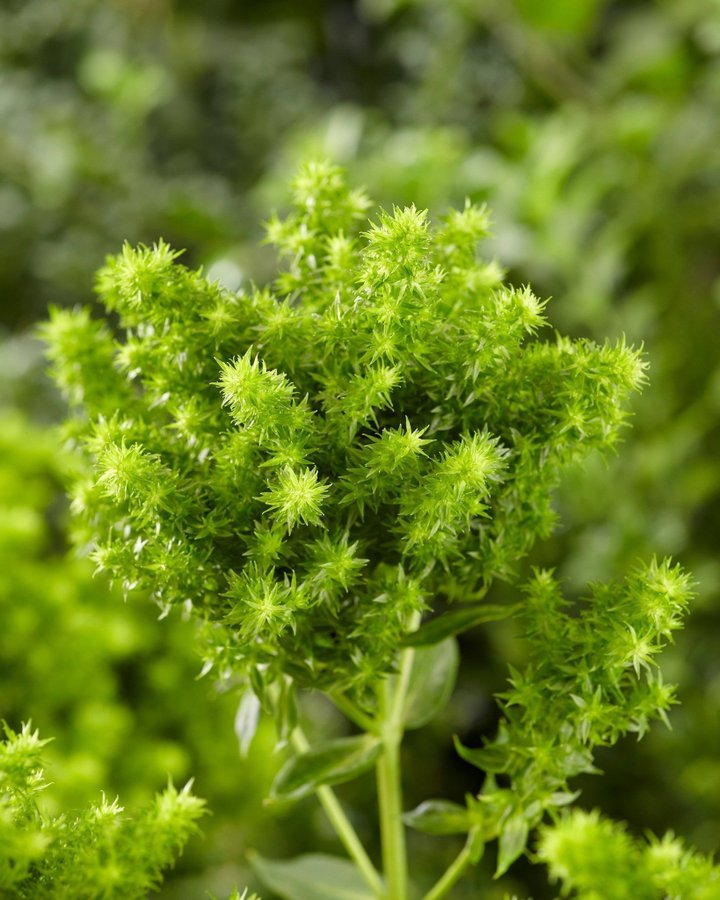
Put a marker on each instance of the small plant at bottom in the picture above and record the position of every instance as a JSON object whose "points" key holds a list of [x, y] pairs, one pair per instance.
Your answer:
{"points": [[595, 858], [88, 854], [330, 472]]}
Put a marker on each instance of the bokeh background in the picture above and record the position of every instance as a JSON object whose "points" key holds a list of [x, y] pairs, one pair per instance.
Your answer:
{"points": [[592, 130]]}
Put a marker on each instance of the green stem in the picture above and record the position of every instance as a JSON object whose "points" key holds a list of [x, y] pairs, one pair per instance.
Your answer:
{"points": [[391, 707], [355, 715], [343, 827], [391, 824], [452, 874]]}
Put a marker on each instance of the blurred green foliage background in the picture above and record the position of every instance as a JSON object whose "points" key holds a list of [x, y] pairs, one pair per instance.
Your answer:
{"points": [[590, 127]]}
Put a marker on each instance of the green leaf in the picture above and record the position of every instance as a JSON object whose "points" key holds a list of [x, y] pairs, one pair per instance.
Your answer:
{"points": [[313, 876], [438, 817], [246, 720], [491, 758], [563, 798], [432, 679], [331, 762], [449, 624], [513, 840], [285, 710]]}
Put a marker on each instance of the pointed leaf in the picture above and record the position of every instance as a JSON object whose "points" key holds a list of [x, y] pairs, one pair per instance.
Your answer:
{"points": [[449, 624], [432, 679], [313, 876], [513, 840], [490, 758], [246, 720], [329, 763], [563, 798], [285, 710], [438, 817]]}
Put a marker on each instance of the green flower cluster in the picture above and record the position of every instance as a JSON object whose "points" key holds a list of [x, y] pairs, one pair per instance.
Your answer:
{"points": [[595, 858], [96, 852], [591, 678], [311, 465]]}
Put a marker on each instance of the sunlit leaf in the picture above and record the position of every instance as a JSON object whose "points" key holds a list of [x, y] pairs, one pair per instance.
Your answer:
{"points": [[513, 840]]}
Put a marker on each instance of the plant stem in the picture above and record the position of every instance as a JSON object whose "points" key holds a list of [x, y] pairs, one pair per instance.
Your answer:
{"points": [[355, 715], [452, 874], [391, 824], [391, 706], [343, 827]]}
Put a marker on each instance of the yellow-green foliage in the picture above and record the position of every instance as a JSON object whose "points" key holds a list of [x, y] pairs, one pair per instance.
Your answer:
{"points": [[96, 852], [305, 465], [118, 691], [312, 467], [595, 859]]}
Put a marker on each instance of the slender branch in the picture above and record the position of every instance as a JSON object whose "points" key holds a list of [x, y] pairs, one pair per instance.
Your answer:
{"points": [[392, 828], [452, 874], [403, 680], [391, 706], [348, 708], [343, 827]]}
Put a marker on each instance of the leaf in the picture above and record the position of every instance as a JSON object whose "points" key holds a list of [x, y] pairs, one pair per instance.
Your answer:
{"points": [[432, 679], [563, 798], [285, 710], [313, 876], [331, 762], [491, 758], [438, 817], [513, 840], [449, 624], [246, 720]]}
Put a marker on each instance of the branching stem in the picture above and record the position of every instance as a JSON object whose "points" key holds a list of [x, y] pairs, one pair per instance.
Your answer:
{"points": [[348, 708], [342, 825], [452, 874]]}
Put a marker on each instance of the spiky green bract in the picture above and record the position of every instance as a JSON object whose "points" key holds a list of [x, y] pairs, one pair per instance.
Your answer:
{"points": [[310, 463], [591, 678], [595, 858], [96, 852]]}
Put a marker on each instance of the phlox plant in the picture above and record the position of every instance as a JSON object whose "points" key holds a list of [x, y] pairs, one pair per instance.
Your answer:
{"points": [[329, 473]]}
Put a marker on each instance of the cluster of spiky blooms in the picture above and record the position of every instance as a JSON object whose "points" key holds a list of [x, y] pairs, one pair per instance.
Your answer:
{"points": [[595, 858], [314, 465], [591, 678], [96, 852], [309, 464]]}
